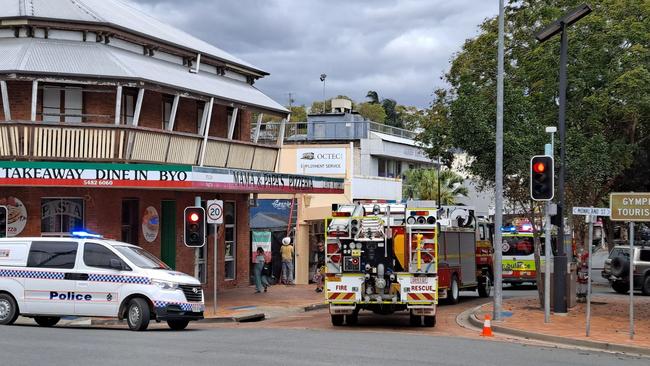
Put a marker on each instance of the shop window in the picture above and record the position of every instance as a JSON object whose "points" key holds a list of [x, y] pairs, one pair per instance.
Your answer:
{"points": [[167, 111], [201, 263], [130, 221], [52, 255], [230, 255], [62, 101], [61, 216]]}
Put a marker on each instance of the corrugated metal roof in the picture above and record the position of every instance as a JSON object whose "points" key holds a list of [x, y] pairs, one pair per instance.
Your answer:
{"points": [[117, 13], [97, 60]]}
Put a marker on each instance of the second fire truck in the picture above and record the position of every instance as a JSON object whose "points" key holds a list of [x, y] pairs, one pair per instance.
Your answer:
{"points": [[387, 258]]}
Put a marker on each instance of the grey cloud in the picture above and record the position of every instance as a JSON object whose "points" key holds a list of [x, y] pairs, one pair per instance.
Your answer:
{"points": [[399, 48]]}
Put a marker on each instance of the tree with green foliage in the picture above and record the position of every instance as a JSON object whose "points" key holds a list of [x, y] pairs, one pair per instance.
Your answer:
{"points": [[373, 96], [392, 115], [422, 184], [372, 112], [298, 113], [608, 98]]}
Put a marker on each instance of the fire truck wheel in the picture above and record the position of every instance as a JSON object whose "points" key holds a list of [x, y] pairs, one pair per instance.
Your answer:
{"points": [[484, 287], [430, 321], [337, 320], [415, 320], [454, 291], [352, 319]]}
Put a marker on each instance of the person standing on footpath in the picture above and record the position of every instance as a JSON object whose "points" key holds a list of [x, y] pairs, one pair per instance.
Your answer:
{"points": [[260, 278], [287, 261], [319, 272]]}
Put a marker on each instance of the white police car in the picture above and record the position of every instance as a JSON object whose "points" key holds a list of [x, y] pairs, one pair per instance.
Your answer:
{"points": [[47, 278]]}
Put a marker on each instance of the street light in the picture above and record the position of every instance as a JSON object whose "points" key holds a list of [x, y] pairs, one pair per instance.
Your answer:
{"points": [[322, 78], [560, 261]]}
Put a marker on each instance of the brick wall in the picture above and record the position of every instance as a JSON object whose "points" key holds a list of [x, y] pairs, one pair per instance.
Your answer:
{"points": [[103, 215]]}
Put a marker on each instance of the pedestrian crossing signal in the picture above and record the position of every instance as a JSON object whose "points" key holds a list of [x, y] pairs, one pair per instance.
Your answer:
{"points": [[542, 178]]}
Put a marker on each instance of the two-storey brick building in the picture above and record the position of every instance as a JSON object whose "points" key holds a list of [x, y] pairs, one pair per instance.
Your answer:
{"points": [[114, 122]]}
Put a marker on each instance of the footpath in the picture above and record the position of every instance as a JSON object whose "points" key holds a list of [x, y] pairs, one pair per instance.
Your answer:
{"points": [[522, 317], [243, 304], [236, 305]]}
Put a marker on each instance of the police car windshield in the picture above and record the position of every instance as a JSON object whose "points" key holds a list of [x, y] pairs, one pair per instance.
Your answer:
{"points": [[141, 257]]}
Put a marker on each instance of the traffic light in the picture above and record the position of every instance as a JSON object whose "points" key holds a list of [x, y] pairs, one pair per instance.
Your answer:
{"points": [[3, 221], [541, 178], [194, 228]]}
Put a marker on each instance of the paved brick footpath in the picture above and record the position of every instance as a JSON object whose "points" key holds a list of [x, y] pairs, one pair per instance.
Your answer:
{"points": [[279, 299], [609, 321]]}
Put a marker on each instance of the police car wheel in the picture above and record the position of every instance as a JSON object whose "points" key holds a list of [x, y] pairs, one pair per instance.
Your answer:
{"points": [[8, 309], [178, 324], [46, 321], [138, 315]]}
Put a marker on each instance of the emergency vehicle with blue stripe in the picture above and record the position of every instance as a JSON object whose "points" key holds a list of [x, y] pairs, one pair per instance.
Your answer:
{"points": [[87, 275], [392, 257]]}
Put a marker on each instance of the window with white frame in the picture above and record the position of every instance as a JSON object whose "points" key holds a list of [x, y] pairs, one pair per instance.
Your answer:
{"points": [[230, 252]]}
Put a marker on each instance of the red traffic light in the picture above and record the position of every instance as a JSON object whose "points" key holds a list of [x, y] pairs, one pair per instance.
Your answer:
{"points": [[194, 217], [539, 167]]}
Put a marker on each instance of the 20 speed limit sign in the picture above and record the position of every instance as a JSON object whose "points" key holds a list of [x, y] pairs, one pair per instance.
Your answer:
{"points": [[215, 212]]}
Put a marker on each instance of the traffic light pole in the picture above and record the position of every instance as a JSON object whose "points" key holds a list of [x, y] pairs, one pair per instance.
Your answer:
{"points": [[498, 200], [560, 260]]}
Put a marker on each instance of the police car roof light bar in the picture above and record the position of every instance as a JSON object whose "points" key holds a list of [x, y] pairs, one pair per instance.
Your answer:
{"points": [[85, 234]]}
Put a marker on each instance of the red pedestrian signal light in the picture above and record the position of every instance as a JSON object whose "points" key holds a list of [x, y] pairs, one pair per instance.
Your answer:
{"points": [[194, 227], [542, 185]]}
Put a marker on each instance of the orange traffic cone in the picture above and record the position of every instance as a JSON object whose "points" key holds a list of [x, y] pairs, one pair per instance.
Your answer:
{"points": [[487, 327]]}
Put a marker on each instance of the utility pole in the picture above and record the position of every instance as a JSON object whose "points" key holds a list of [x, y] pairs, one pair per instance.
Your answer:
{"points": [[560, 262], [498, 215]]}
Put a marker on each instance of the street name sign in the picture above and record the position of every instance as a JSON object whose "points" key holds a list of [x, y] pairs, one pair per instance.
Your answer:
{"points": [[592, 211], [215, 212], [633, 207]]}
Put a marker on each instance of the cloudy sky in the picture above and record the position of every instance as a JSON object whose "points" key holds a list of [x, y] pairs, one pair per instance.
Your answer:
{"points": [[400, 48]]}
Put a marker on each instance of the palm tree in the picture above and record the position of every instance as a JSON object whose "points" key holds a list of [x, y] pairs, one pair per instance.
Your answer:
{"points": [[422, 184], [373, 96]]}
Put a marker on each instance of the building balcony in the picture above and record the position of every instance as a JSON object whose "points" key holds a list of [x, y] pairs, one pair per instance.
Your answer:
{"points": [[101, 142]]}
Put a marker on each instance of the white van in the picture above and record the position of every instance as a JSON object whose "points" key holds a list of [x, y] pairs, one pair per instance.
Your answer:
{"points": [[47, 278]]}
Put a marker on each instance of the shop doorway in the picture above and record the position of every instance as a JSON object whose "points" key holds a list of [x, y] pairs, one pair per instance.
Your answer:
{"points": [[168, 233]]}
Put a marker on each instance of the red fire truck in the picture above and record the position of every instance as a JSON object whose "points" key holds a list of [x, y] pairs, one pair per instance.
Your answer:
{"points": [[401, 257]]}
